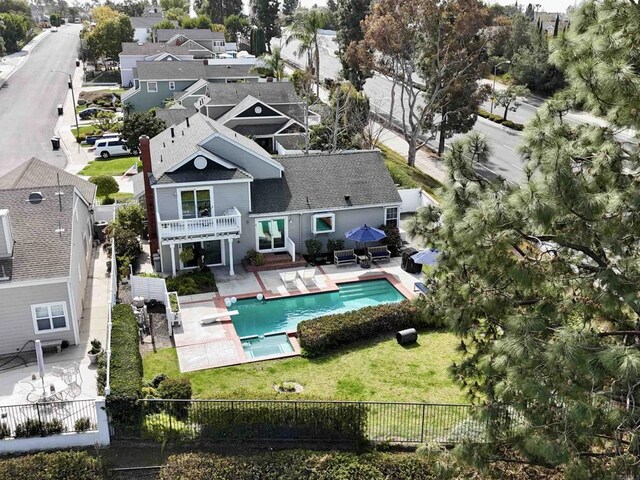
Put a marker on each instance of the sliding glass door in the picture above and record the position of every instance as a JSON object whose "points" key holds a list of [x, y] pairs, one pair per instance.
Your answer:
{"points": [[271, 234]]}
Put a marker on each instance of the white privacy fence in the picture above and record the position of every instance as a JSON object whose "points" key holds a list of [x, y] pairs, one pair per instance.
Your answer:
{"points": [[149, 288], [414, 199]]}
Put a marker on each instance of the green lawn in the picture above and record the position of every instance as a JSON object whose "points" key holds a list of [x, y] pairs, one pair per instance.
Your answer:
{"points": [[119, 197], [404, 175], [373, 370], [114, 166]]}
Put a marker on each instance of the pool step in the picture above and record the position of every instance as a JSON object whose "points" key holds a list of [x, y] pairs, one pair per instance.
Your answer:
{"points": [[360, 290]]}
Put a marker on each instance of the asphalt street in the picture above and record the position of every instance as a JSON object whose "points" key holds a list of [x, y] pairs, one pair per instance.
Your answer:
{"points": [[28, 101]]}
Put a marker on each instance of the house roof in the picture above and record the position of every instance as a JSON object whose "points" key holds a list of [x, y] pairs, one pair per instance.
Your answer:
{"points": [[168, 151], [148, 21], [35, 173], [268, 92], [42, 232], [173, 116], [190, 70], [133, 48], [166, 34], [229, 71], [211, 175], [321, 182]]}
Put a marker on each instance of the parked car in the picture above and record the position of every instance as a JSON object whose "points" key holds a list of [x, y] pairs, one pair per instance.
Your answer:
{"points": [[92, 139], [91, 112], [54, 29], [113, 147]]}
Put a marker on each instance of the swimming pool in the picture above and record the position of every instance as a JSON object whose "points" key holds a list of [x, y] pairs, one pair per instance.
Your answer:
{"points": [[266, 345], [257, 317]]}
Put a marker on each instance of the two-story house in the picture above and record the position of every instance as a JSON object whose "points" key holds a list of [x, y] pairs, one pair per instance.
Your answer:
{"points": [[143, 26], [46, 237], [210, 189], [202, 43], [134, 53], [155, 82]]}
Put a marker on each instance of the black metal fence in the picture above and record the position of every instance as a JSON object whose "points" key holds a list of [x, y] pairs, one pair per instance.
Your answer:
{"points": [[318, 421], [42, 419]]}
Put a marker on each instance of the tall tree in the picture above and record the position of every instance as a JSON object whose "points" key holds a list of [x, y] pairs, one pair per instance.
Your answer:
{"points": [[169, 4], [349, 17], [201, 21], [106, 38], [141, 123], [14, 31], [265, 14], [556, 26], [271, 64], [234, 25], [541, 280], [510, 98], [289, 6], [530, 13], [441, 43], [304, 29]]}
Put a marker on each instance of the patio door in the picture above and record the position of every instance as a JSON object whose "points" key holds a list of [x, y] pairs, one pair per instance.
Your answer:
{"points": [[212, 251], [271, 234]]}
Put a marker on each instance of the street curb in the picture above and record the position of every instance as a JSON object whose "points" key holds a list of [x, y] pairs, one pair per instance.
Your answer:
{"points": [[32, 44]]}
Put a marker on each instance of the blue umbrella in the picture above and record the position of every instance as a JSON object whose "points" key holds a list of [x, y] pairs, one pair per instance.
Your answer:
{"points": [[426, 257], [365, 234]]}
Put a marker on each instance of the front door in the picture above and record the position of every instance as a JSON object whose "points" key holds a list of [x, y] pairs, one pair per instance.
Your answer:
{"points": [[271, 234]]}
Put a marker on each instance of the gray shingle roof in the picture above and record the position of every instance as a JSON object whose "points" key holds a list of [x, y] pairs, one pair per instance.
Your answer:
{"points": [[230, 71], [148, 22], [168, 151], [190, 70], [272, 93], [39, 250], [320, 182], [165, 34], [204, 176], [173, 116], [35, 173], [133, 48]]}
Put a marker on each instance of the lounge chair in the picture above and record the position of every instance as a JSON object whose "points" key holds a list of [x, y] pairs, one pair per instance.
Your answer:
{"points": [[308, 276], [420, 287], [344, 257], [289, 279], [379, 253]]}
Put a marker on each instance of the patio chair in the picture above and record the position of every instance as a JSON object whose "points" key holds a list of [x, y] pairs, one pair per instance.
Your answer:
{"points": [[344, 257], [308, 276], [378, 253], [289, 279], [72, 374], [420, 287]]}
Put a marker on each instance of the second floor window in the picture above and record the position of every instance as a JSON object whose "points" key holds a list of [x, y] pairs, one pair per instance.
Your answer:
{"points": [[195, 203], [152, 87], [172, 85]]}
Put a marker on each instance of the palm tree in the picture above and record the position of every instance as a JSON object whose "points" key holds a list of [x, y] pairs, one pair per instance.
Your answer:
{"points": [[272, 65], [304, 28]]}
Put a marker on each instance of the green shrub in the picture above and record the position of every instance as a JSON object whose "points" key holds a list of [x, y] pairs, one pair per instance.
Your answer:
{"points": [[320, 335], [393, 240], [299, 464], [35, 428], [5, 431], [400, 177], [513, 125], [333, 245], [101, 372], [175, 389], [54, 466], [82, 425], [490, 116], [314, 247], [161, 427], [192, 283], [126, 367]]}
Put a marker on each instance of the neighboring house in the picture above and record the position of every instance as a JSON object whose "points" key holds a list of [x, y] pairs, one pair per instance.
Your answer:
{"points": [[132, 53], [211, 189], [154, 82], [202, 43], [143, 26], [45, 248]]}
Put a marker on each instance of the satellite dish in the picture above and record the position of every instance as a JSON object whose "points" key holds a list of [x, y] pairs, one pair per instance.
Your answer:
{"points": [[35, 198]]}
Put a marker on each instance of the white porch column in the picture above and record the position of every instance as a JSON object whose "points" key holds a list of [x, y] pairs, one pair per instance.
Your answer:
{"points": [[231, 272], [173, 259]]}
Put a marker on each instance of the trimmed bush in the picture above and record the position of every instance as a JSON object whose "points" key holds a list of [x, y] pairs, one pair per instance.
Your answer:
{"points": [[5, 431], [175, 389], [298, 464], [126, 367], [320, 335], [82, 425], [498, 119], [35, 428], [53, 466], [192, 283], [513, 125]]}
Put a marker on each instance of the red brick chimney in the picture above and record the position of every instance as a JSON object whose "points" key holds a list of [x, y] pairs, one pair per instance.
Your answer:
{"points": [[145, 156]]}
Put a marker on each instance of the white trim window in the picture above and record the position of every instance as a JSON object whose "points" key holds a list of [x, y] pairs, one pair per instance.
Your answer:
{"points": [[172, 85], [195, 202], [391, 217], [271, 234], [49, 317], [152, 87], [323, 223]]}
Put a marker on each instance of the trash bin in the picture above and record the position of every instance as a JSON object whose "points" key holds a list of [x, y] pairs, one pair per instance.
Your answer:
{"points": [[407, 337], [98, 231], [55, 143], [157, 266], [60, 109], [77, 63]]}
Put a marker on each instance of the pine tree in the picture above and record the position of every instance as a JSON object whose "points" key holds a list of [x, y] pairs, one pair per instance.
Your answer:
{"points": [[541, 280], [266, 18]]}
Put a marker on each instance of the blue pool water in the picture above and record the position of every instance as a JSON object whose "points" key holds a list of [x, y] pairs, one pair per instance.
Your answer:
{"points": [[283, 314], [262, 346]]}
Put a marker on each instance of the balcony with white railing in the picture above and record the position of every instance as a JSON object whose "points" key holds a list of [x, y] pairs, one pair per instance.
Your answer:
{"points": [[205, 228]]}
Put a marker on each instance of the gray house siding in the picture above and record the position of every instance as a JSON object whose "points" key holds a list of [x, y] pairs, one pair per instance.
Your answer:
{"points": [[143, 100], [80, 255], [258, 168], [167, 203], [226, 196], [17, 321]]}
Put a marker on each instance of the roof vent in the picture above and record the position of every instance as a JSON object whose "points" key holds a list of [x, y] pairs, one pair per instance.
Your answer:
{"points": [[35, 198], [347, 198], [187, 122], [173, 133]]}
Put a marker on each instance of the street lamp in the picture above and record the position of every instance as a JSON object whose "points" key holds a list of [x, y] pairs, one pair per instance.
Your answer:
{"points": [[73, 99], [495, 72]]}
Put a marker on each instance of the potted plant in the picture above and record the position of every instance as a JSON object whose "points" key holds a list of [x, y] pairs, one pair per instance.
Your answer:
{"points": [[96, 348]]}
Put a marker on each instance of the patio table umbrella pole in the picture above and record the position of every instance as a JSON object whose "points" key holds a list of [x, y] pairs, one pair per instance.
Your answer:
{"points": [[365, 234], [40, 359]]}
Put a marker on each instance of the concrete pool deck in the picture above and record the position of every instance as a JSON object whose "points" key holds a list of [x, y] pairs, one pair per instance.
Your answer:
{"points": [[214, 345]]}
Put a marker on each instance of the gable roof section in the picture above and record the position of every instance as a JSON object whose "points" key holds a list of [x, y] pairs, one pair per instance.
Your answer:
{"points": [[230, 71], [246, 103], [271, 93], [39, 250], [146, 49], [35, 173], [166, 34], [321, 182], [184, 70], [174, 116], [148, 22]]}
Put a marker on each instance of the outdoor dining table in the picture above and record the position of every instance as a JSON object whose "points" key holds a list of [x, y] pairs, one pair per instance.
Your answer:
{"points": [[37, 393]]}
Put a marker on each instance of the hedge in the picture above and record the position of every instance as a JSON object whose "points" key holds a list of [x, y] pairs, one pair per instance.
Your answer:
{"points": [[323, 334], [53, 466], [297, 465], [126, 366], [499, 119]]}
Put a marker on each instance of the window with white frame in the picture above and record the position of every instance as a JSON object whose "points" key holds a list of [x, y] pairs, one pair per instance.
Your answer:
{"points": [[49, 317], [323, 223], [391, 217], [195, 203], [172, 85], [152, 87]]}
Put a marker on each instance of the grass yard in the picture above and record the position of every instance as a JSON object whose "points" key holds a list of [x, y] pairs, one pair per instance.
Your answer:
{"points": [[406, 176], [119, 197], [375, 370], [114, 166]]}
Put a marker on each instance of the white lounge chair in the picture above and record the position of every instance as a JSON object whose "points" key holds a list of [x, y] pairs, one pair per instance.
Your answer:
{"points": [[308, 276], [289, 279]]}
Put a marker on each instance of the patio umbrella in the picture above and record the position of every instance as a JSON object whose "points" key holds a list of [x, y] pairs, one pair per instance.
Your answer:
{"points": [[40, 359], [365, 234], [426, 257]]}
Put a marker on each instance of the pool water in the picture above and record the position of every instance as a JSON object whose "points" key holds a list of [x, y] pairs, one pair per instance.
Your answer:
{"points": [[257, 317], [262, 346]]}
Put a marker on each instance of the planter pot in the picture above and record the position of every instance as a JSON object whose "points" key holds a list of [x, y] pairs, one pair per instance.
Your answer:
{"points": [[93, 357]]}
